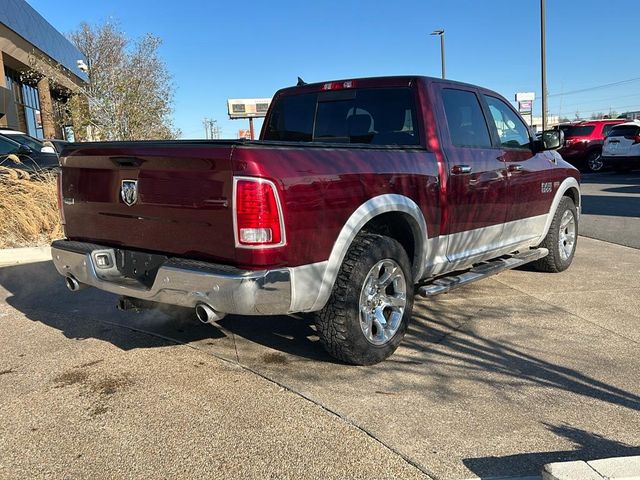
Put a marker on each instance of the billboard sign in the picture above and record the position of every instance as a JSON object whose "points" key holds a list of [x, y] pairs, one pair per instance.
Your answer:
{"points": [[248, 107], [525, 96]]}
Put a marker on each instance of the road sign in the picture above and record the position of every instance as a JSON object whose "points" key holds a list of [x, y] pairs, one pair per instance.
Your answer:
{"points": [[525, 107]]}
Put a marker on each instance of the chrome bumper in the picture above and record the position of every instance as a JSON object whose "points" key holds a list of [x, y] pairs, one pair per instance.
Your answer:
{"points": [[181, 282]]}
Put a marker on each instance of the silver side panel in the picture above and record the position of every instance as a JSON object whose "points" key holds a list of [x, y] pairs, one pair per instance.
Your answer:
{"points": [[473, 246]]}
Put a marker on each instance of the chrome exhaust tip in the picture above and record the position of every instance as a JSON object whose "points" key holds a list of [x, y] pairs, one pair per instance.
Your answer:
{"points": [[206, 314], [73, 284]]}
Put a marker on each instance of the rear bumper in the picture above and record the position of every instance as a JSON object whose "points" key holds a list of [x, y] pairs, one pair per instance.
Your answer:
{"points": [[183, 282], [622, 162]]}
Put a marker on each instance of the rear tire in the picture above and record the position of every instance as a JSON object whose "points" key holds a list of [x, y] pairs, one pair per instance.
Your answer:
{"points": [[367, 314], [561, 240], [594, 162]]}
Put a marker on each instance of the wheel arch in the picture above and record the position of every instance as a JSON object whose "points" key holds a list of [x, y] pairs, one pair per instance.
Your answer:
{"points": [[391, 214], [568, 188]]}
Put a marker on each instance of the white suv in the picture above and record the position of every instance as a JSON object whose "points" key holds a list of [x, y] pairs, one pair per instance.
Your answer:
{"points": [[621, 149]]}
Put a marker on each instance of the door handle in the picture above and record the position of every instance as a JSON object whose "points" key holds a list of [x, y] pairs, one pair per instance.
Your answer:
{"points": [[460, 169], [515, 168]]}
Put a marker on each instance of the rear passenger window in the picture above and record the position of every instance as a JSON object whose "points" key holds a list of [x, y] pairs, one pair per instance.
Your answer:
{"points": [[467, 126], [512, 132]]}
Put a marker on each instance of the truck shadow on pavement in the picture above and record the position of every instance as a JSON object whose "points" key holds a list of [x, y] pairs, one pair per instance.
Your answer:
{"points": [[457, 352], [37, 290], [437, 345], [589, 446]]}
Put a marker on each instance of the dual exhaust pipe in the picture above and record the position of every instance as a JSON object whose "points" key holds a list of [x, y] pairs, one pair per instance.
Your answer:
{"points": [[204, 312], [73, 284]]}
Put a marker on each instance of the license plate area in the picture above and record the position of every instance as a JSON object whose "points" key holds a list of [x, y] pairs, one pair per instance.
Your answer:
{"points": [[139, 266]]}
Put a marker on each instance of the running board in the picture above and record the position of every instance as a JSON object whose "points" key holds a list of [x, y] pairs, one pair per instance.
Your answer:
{"points": [[478, 272]]}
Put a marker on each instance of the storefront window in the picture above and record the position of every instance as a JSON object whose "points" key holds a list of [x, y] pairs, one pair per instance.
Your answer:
{"points": [[26, 97]]}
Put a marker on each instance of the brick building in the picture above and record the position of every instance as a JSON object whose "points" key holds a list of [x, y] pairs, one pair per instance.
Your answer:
{"points": [[31, 103]]}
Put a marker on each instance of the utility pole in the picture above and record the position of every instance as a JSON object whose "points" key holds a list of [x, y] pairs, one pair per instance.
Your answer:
{"points": [[440, 33], [543, 62], [211, 129]]}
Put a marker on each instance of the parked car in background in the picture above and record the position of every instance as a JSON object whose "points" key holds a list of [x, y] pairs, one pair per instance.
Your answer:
{"points": [[24, 139], [28, 159], [583, 142], [621, 149]]}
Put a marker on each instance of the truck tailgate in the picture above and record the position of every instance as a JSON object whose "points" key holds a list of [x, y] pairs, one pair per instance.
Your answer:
{"points": [[183, 205]]}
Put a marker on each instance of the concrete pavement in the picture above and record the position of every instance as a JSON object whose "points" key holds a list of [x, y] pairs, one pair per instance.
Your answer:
{"points": [[83, 399], [495, 379]]}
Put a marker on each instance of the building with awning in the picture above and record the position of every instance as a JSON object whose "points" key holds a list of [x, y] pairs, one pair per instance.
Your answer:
{"points": [[30, 49]]}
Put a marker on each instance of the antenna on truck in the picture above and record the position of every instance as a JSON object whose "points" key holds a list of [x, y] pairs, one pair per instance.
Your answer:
{"points": [[301, 82]]}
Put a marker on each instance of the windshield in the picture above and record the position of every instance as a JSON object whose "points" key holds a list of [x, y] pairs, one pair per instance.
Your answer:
{"points": [[30, 142], [624, 131]]}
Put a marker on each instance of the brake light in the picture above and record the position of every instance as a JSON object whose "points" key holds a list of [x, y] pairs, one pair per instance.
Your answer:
{"points": [[258, 216], [635, 138], [339, 85]]}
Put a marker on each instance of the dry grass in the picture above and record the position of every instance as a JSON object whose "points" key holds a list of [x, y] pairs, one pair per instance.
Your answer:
{"points": [[28, 209]]}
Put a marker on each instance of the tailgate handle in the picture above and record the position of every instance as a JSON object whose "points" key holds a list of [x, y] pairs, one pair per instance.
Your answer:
{"points": [[127, 161]]}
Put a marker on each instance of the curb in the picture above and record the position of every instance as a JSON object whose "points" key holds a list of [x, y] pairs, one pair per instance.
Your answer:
{"points": [[17, 256], [617, 468]]}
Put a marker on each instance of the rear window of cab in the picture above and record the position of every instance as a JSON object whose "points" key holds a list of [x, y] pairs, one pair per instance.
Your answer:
{"points": [[374, 116]]}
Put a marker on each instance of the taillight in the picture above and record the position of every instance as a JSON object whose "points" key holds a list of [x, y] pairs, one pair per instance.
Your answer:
{"points": [[258, 215], [60, 209], [635, 138]]}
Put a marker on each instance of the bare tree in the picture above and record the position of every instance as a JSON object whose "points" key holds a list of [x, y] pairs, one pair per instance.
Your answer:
{"points": [[130, 91]]}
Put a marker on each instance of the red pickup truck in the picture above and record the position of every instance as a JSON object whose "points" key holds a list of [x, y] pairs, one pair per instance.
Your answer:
{"points": [[359, 194]]}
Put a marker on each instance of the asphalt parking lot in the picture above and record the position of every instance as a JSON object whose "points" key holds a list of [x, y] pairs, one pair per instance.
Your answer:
{"points": [[611, 207], [493, 380]]}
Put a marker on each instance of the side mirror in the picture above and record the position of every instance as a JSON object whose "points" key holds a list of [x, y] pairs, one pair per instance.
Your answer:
{"points": [[552, 139], [24, 150]]}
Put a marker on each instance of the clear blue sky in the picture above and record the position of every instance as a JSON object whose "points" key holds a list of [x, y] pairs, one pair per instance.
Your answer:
{"points": [[217, 49]]}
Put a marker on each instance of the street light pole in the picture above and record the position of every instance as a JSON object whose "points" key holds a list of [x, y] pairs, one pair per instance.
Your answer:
{"points": [[440, 33], [543, 61]]}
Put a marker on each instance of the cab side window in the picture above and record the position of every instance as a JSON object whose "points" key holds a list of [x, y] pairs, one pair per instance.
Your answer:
{"points": [[512, 132], [467, 125]]}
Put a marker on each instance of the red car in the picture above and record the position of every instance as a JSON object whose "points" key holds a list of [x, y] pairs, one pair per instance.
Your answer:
{"points": [[583, 142], [359, 194]]}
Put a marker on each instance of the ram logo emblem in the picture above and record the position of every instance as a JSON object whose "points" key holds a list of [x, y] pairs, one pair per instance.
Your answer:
{"points": [[546, 187], [129, 191]]}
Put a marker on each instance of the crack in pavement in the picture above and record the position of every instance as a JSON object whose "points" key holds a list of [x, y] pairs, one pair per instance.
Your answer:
{"points": [[426, 471]]}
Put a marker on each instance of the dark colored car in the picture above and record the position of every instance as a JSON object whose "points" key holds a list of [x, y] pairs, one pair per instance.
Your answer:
{"points": [[358, 194], [29, 159], [583, 142]]}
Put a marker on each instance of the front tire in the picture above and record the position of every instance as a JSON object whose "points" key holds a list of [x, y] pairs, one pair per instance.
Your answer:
{"points": [[367, 314], [561, 240]]}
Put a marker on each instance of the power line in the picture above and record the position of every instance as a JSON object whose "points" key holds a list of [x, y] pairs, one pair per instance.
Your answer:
{"points": [[596, 87]]}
